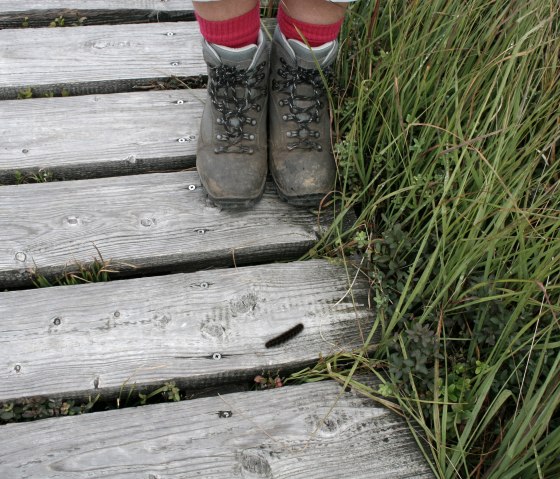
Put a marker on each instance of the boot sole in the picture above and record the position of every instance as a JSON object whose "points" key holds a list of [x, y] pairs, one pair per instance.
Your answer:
{"points": [[235, 203], [302, 201]]}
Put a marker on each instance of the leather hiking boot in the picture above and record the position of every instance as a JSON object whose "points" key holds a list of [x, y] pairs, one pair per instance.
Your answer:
{"points": [[300, 154], [232, 147]]}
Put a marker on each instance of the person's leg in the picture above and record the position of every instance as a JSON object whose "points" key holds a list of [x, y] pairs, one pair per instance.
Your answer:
{"points": [[220, 10], [232, 146], [303, 52], [317, 12]]}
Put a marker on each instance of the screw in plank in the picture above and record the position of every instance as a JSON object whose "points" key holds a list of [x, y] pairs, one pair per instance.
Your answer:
{"points": [[17, 368], [225, 414], [57, 321], [216, 356], [170, 34], [21, 256], [180, 102], [174, 64], [204, 285], [147, 222], [192, 187], [72, 220]]}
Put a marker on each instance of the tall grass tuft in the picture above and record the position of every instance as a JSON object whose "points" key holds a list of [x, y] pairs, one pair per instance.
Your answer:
{"points": [[447, 132]]}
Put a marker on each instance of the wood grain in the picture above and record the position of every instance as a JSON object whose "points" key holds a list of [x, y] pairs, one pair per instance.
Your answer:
{"points": [[94, 338], [97, 59], [312, 431], [151, 222], [41, 13], [100, 135]]}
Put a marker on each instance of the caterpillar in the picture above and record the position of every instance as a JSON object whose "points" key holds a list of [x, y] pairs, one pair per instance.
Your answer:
{"points": [[292, 332]]}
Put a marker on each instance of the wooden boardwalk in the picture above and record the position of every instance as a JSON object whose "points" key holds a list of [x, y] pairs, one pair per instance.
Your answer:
{"points": [[200, 292]]}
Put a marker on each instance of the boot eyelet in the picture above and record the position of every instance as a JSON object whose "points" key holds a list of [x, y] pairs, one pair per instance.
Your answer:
{"points": [[285, 117], [251, 137]]}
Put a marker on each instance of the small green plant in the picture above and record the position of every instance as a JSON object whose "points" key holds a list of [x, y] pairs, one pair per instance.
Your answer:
{"points": [[99, 270], [44, 176], [25, 23], [57, 22], [269, 381], [168, 392], [60, 21], [41, 408], [25, 94], [41, 176]]}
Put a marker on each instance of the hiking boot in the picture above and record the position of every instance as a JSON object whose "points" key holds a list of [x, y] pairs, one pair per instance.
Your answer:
{"points": [[300, 153], [232, 147]]}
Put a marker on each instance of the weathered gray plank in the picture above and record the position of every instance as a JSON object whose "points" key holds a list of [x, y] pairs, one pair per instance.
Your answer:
{"points": [[97, 59], [94, 338], [152, 222], [100, 135], [304, 432], [41, 13]]}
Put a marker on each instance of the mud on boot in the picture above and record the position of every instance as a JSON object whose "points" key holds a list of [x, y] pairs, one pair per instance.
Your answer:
{"points": [[232, 146], [300, 154]]}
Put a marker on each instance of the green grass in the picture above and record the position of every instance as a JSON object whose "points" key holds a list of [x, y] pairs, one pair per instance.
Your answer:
{"points": [[97, 271], [447, 136]]}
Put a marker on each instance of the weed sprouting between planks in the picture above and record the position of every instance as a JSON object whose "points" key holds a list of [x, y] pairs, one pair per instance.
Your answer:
{"points": [[447, 134]]}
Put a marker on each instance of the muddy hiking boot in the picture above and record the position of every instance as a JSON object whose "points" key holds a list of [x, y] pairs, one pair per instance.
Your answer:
{"points": [[300, 153], [232, 146]]}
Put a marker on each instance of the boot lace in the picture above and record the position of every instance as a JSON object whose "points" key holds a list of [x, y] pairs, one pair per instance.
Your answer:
{"points": [[235, 93], [304, 116]]}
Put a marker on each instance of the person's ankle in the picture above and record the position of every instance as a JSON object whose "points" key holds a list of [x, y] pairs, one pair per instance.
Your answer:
{"points": [[311, 34], [236, 32]]}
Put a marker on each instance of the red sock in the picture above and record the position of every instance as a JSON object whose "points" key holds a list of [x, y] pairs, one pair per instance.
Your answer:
{"points": [[310, 33], [236, 32]]}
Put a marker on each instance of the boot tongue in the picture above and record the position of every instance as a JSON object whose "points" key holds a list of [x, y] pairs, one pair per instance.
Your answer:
{"points": [[309, 57], [239, 57]]}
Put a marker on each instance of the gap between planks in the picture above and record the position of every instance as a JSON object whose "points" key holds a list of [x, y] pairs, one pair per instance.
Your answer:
{"points": [[312, 431]]}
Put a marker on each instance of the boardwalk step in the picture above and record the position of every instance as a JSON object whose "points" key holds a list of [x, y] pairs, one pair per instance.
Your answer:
{"points": [[152, 222], [40, 13], [97, 59], [308, 432], [200, 329], [100, 135]]}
